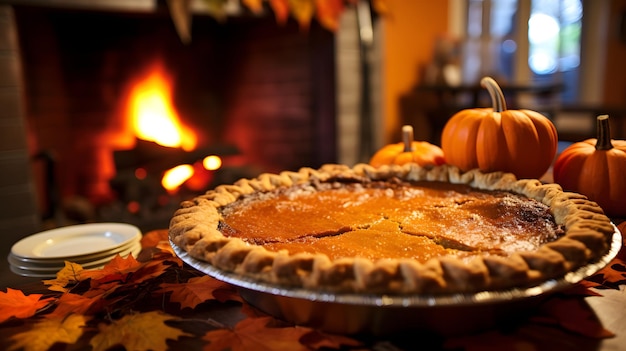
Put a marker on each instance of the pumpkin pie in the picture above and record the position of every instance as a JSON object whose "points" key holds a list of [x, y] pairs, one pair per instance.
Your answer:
{"points": [[393, 229]]}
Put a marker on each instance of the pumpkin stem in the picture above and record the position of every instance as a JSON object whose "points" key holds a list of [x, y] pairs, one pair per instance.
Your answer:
{"points": [[603, 133], [407, 138], [497, 97]]}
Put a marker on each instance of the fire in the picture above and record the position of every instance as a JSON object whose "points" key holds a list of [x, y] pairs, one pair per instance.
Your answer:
{"points": [[153, 115], [175, 177]]}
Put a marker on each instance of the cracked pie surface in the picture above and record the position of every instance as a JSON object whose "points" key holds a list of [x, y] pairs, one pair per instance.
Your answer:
{"points": [[394, 229]]}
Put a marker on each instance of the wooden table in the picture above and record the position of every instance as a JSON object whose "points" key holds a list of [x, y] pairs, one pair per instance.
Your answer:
{"points": [[157, 302]]}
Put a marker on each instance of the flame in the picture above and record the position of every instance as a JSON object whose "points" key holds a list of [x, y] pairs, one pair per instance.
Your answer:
{"points": [[153, 115], [175, 177]]}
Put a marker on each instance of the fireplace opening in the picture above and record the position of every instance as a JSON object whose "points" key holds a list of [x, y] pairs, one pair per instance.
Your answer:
{"points": [[258, 95]]}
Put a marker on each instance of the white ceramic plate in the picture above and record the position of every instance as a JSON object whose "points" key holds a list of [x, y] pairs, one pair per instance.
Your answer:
{"points": [[75, 240], [16, 262], [50, 272], [80, 259]]}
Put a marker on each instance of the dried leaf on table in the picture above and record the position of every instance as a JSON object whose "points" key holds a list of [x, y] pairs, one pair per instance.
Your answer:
{"points": [[610, 277], [48, 332], [154, 237], [198, 290], [69, 275], [256, 334], [13, 303], [69, 303], [317, 340], [572, 314], [123, 271], [141, 331]]}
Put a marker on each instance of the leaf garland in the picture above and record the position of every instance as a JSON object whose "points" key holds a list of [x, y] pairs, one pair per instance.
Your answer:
{"points": [[327, 12]]}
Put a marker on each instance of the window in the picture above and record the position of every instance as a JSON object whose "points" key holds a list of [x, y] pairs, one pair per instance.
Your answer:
{"points": [[553, 42]]}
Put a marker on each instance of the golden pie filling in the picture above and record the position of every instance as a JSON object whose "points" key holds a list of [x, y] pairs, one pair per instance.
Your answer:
{"points": [[400, 229]]}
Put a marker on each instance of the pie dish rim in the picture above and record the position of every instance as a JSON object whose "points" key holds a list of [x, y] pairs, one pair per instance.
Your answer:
{"points": [[587, 229]]}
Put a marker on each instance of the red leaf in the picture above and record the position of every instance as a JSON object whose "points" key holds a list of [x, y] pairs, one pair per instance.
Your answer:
{"points": [[70, 303], [255, 334], [281, 10], [198, 290], [154, 237], [14, 303], [574, 315], [328, 13]]}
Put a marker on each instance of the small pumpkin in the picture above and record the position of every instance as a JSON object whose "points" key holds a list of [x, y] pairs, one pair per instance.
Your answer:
{"points": [[522, 142], [596, 168], [421, 152]]}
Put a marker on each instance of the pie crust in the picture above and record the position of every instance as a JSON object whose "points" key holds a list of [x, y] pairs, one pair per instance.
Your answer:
{"points": [[586, 235]]}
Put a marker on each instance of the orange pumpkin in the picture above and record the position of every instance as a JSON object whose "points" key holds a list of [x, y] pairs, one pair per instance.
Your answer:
{"points": [[522, 142], [421, 152], [596, 168]]}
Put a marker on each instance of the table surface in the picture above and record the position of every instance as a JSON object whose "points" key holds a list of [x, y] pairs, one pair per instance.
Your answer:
{"points": [[157, 302]]}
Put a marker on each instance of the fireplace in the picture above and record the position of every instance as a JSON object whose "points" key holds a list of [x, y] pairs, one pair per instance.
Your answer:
{"points": [[260, 95]]}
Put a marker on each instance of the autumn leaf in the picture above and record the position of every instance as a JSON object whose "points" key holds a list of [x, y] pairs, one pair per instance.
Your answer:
{"points": [[254, 334], [302, 11], [198, 290], [14, 303], [255, 6], [610, 277], [70, 303], [317, 340], [47, 332], [154, 237], [140, 331], [574, 315], [281, 10], [328, 13], [69, 275]]}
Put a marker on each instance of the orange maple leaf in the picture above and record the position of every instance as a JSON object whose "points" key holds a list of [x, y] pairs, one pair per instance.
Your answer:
{"points": [[154, 237], [13, 303], [609, 277], [317, 340], [281, 10], [328, 12], [255, 334], [255, 6], [574, 315], [69, 275], [198, 290], [302, 11], [45, 333], [140, 331], [70, 303]]}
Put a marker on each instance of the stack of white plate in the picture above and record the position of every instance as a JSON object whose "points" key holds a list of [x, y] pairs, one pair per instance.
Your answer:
{"points": [[92, 245]]}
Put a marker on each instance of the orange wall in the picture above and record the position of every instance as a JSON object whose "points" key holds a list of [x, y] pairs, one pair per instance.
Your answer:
{"points": [[410, 31]]}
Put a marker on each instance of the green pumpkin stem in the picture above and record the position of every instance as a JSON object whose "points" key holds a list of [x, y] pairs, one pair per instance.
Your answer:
{"points": [[603, 133], [407, 138], [497, 97]]}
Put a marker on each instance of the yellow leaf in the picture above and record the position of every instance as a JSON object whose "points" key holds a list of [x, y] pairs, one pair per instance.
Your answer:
{"points": [[141, 331], [302, 11], [47, 332], [69, 275], [255, 6]]}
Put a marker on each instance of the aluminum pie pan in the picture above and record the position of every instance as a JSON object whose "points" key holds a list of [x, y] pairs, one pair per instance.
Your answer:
{"points": [[381, 314]]}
